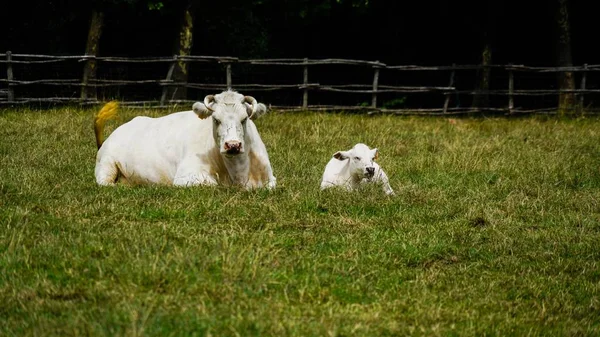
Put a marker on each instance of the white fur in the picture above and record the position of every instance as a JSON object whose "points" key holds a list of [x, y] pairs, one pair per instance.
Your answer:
{"points": [[188, 148], [351, 168]]}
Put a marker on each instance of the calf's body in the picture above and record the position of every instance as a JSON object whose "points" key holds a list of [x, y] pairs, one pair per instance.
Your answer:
{"points": [[349, 169]]}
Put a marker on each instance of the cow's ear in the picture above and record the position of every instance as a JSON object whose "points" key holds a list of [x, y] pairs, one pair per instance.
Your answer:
{"points": [[341, 155], [201, 110], [251, 105], [260, 110], [375, 153]]}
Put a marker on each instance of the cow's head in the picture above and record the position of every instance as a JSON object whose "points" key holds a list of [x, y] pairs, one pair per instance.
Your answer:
{"points": [[229, 112], [360, 160]]}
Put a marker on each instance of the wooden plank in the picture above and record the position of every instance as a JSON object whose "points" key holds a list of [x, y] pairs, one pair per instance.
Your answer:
{"points": [[305, 84], [582, 86], [447, 100], [511, 88], [9, 77], [375, 84], [168, 78], [228, 75]]}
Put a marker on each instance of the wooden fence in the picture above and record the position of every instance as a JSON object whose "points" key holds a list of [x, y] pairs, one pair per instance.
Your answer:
{"points": [[375, 88]]}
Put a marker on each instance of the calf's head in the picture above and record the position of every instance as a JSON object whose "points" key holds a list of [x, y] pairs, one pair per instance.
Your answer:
{"points": [[229, 112], [361, 160]]}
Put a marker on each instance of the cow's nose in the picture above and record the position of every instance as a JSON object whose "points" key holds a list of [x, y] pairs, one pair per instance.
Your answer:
{"points": [[370, 171], [233, 147]]}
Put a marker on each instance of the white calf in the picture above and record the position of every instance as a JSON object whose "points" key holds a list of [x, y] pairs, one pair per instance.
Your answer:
{"points": [[216, 143], [351, 168]]}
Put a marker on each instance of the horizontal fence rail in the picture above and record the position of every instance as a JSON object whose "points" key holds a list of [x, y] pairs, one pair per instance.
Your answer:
{"points": [[225, 64]]}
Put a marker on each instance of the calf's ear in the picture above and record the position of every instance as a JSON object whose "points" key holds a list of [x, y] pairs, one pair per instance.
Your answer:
{"points": [[375, 153], [341, 155], [201, 110]]}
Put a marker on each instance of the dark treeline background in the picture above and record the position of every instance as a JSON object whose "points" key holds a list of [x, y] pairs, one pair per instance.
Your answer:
{"points": [[395, 32], [434, 32]]}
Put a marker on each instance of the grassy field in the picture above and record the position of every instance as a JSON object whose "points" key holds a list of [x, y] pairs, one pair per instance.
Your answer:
{"points": [[495, 231]]}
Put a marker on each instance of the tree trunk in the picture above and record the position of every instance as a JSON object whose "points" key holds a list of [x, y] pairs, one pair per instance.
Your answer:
{"points": [[566, 80], [482, 99], [89, 70], [183, 47]]}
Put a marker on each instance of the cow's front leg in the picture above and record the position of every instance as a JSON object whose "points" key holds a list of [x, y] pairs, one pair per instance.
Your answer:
{"points": [[260, 173], [192, 173], [194, 180], [272, 182], [253, 184]]}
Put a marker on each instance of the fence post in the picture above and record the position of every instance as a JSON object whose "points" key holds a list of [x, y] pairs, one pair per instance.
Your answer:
{"points": [[228, 75], [511, 89], [582, 87], [9, 77], [451, 83], [89, 71], [169, 77], [305, 93], [375, 85]]}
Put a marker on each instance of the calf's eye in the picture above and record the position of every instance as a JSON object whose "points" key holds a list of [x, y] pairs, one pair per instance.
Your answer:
{"points": [[356, 158]]}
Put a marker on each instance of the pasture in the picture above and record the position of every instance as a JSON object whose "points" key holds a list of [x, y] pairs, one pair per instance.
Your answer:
{"points": [[495, 231]]}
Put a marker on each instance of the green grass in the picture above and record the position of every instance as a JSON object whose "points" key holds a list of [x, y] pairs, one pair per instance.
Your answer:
{"points": [[495, 230]]}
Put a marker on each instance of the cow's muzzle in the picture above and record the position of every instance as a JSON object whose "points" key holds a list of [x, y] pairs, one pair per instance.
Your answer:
{"points": [[370, 172], [233, 147]]}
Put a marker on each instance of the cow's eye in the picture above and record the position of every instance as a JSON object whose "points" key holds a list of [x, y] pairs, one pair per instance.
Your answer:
{"points": [[356, 158]]}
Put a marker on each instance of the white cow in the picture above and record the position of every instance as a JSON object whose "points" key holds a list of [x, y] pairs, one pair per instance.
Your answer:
{"points": [[216, 143], [356, 166]]}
